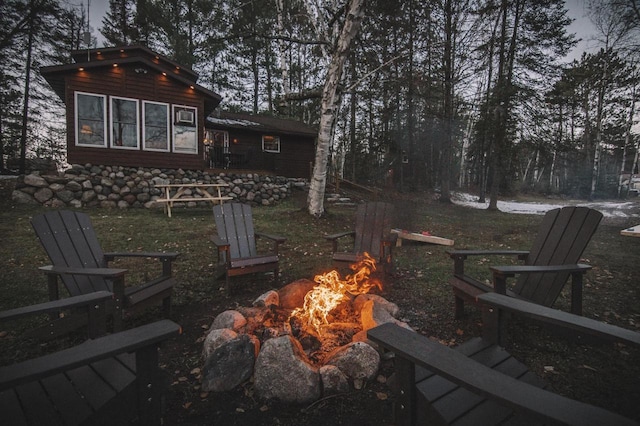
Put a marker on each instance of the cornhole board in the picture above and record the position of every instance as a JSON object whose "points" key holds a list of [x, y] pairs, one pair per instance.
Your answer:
{"points": [[416, 236], [634, 231]]}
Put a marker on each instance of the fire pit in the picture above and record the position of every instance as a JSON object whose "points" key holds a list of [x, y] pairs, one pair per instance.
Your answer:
{"points": [[302, 342]]}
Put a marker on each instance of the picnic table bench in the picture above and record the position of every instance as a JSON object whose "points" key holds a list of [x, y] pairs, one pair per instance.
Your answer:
{"points": [[634, 231], [184, 194]]}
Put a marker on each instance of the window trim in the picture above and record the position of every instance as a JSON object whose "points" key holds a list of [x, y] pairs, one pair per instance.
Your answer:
{"points": [[111, 121], [77, 119], [175, 125], [144, 126], [275, 137]]}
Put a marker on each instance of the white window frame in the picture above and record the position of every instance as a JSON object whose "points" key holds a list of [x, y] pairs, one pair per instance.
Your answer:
{"points": [[144, 126], [189, 146], [104, 120], [275, 138], [136, 124]]}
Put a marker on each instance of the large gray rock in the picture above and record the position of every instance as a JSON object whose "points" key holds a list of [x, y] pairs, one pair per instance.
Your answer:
{"points": [[292, 295], [333, 380], [357, 360], [215, 339], [35, 180], [282, 372], [20, 197], [229, 365], [373, 314], [267, 299], [230, 319], [390, 307]]}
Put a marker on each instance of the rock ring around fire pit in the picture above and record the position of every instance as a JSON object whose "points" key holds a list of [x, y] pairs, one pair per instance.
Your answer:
{"points": [[286, 362]]}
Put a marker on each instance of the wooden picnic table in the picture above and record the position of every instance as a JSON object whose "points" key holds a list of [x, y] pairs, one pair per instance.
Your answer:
{"points": [[634, 231], [184, 194]]}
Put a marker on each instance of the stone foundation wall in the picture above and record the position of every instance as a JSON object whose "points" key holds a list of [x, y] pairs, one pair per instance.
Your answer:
{"points": [[125, 187]]}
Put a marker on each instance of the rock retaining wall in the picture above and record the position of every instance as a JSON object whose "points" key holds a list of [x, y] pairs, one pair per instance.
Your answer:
{"points": [[124, 187]]}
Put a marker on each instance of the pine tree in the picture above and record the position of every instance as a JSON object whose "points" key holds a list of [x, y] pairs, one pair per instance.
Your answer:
{"points": [[118, 26]]}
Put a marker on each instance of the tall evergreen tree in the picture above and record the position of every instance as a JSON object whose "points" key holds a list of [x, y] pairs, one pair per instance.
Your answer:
{"points": [[118, 25]]}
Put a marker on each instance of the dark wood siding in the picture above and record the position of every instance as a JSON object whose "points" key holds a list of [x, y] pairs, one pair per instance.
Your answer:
{"points": [[126, 82], [294, 159]]}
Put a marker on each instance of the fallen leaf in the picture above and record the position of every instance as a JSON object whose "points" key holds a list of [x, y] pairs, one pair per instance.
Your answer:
{"points": [[239, 410], [548, 368], [460, 332], [182, 379], [195, 371], [186, 405], [203, 395], [588, 367], [264, 408], [381, 396]]}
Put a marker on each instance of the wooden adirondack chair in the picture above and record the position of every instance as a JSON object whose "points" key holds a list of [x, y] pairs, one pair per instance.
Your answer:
{"points": [[554, 255], [480, 383], [372, 234], [236, 243], [78, 261], [110, 380]]}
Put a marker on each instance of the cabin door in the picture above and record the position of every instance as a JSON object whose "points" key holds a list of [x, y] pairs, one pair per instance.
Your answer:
{"points": [[219, 149]]}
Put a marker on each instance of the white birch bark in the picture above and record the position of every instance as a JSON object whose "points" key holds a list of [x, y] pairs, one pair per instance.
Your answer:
{"points": [[329, 107], [282, 49]]}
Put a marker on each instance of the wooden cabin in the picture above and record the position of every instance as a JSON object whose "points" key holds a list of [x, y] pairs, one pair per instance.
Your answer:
{"points": [[129, 106]]}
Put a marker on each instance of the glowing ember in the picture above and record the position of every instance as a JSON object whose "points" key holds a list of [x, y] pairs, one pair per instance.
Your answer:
{"points": [[331, 291]]}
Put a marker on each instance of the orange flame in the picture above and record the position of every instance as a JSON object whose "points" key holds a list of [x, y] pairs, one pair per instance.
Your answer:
{"points": [[331, 291]]}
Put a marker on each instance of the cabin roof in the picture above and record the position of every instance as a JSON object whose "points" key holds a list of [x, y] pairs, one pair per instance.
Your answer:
{"points": [[107, 57], [262, 123]]}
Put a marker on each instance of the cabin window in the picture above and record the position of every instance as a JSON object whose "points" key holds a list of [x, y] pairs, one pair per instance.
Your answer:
{"points": [[91, 118], [185, 130], [124, 123], [155, 126], [271, 143]]}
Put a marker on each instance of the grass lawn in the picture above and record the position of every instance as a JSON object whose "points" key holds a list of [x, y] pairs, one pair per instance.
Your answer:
{"points": [[607, 376]]}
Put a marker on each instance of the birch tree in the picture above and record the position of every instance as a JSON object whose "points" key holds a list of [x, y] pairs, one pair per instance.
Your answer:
{"points": [[330, 104]]}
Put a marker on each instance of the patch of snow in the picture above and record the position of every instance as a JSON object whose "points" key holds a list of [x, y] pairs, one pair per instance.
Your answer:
{"points": [[229, 122], [618, 209]]}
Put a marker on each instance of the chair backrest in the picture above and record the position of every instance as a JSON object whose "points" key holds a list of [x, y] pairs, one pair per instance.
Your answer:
{"points": [[561, 240], [70, 241], [373, 223], [234, 223]]}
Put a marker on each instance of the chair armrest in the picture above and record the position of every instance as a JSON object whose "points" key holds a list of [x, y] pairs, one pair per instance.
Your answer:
{"points": [[463, 254], [390, 239], [501, 273], [334, 239], [560, 318], [165, 258], [278, 239], [101, 272], [510, 271], [57, 305], [459, 256], [414, 349], [220, 243], [158, 255], [87, 352]]}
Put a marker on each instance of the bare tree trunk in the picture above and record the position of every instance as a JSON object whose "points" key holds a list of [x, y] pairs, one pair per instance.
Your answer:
{"points": [[627, 140], [282, 53], [330, 103], [445, 195], [25, 109]]}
